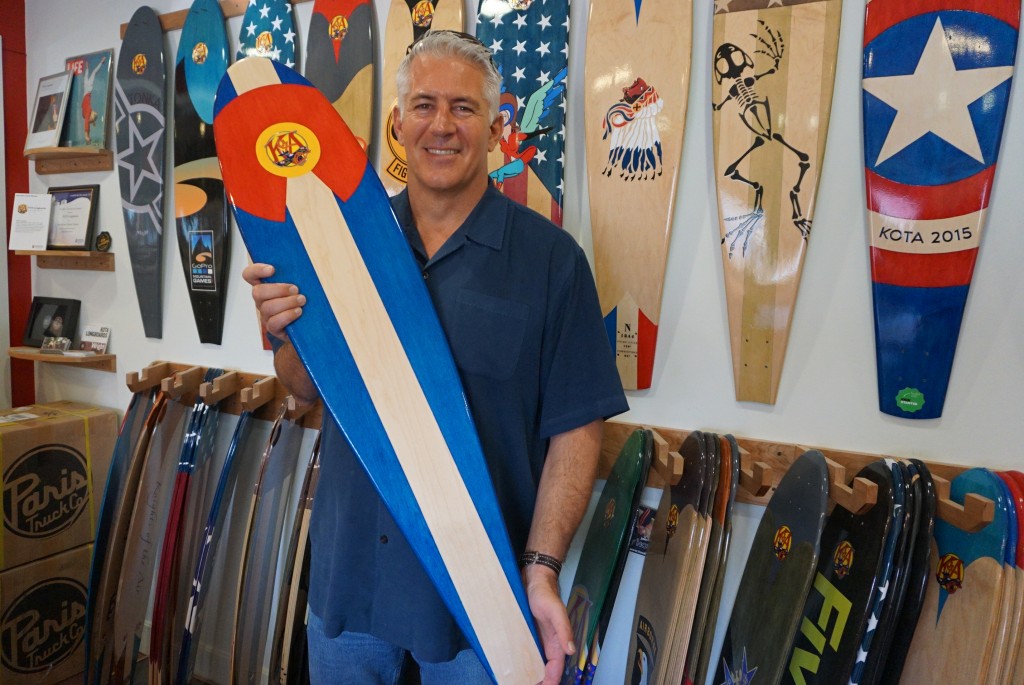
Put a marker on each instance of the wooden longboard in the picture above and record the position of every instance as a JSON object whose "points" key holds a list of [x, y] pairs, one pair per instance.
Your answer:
{"points": [[962, 602], [662, 586], [605, 544], [530, 42], [1008, 605], [268, 30], [637, 81], [779, 571], [201, 214], [773, 70], [140, 121], [371, 340], [1016, 658], [341, 51], [408, 21], [930, 159]]}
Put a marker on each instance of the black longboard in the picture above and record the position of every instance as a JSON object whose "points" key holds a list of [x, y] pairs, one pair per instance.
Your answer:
{"points": [[779, 571], [140, 122]]}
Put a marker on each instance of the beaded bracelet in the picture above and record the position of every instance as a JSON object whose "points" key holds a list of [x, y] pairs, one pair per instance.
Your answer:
{"points": [[532, 557]]}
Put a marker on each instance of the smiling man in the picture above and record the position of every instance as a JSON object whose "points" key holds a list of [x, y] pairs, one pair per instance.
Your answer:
{"points": [[517, 301]]}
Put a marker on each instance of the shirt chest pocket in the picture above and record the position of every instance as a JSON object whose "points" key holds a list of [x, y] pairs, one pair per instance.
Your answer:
{"points": [[488, 334]]}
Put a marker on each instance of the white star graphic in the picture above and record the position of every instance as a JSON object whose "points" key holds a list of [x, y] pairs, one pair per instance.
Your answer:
{"points": [[544, 48], [290, 64], [140, 151], [520, 21], [872, 624], [934, 99], [520, 102], [289, 37], [276, 23], [722, 5], [518, 74], [252, 3], [288, 7], [250, 30], [544, 77], [566, 22], [776, 3], [541, 157], [496, 46], [520, 47], [264, 12], [545, 21], [565, 50], [497, 20], [276, 54]]}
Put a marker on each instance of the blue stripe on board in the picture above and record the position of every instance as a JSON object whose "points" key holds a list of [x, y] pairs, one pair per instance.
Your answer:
{"points": [[204, 24], [916, 332], [638, 3], [611, 325]]}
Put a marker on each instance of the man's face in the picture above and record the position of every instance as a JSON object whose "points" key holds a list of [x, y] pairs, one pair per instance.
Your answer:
{"points": [[445, 125]]}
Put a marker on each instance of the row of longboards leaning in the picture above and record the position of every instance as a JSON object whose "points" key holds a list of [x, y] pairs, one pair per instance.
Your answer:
{"points": [[870, 589], [936, 84]]}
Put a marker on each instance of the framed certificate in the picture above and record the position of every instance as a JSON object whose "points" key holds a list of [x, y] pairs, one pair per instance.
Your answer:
{"points": [[74, 217], [51, 317], [48, 111]]}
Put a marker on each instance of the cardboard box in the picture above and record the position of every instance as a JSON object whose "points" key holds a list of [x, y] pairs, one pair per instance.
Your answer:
{"points": [[42, 619], [53, 467]]}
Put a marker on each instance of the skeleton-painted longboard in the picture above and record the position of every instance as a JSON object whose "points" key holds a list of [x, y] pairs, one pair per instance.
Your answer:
{"points": [[530, 42], [936, 84], [307, 201], [408, 21], [635, 117], [773, 67]]}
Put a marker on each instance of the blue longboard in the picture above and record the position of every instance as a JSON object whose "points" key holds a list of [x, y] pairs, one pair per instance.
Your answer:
{"points": [[307, 201], [268, 30]]}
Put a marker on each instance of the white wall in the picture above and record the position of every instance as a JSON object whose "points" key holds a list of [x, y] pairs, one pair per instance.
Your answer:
{"points": [[827, 395]]}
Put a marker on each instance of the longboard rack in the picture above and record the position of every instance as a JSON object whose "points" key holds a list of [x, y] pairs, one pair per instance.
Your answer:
{"points": [[172, 21], [763, 462]]}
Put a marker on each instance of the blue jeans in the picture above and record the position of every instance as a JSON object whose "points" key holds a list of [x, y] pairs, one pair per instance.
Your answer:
{"points": [[359, 659]]}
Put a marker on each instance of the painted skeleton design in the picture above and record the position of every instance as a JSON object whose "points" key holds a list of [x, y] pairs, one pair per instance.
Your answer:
{"points": [[635, 146], [736, 67]]}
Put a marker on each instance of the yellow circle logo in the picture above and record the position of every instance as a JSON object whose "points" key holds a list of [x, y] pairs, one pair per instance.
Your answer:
{"points": [[288, 149], [423, 14], [199, 53], [139, 64], [339, 27]]}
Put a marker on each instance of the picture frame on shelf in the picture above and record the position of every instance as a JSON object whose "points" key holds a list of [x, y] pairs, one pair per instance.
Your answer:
{"points": [[48, 107], [88, 100], [51, 317], [73, 220]]}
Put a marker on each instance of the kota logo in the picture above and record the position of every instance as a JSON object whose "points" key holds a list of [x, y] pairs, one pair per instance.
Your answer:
{"points": [[520, 5], [423, 14], [139, 64], [43, 625], [783, 542], [338, 28], [397, 169], [609, 513], [22, 208], [950, 573], [45, 491], [200, 52], [842, 560], [288, 149], [673, 521], [265, 43]]}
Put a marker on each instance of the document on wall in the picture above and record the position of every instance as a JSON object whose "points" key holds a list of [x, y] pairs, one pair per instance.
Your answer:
{"points": [[30, 221]]}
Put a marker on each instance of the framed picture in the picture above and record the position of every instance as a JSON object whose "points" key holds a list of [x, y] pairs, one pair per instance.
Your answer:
{"points": [[48, 111], [51, 317], [89, 100], [73, 218]]}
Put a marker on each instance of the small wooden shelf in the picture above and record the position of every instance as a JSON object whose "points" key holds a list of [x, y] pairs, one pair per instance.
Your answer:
{"points": [[63, 160], [71, 259], [172, 21], [99, 362]]}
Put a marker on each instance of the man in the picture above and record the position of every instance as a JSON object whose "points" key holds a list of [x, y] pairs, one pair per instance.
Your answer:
{"points": [[517, 301]]}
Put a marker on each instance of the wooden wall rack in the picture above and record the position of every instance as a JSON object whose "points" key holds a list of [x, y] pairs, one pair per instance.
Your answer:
{"points": [[172, 21]]}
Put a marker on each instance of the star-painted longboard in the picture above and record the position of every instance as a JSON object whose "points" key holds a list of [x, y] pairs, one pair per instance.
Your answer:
{"points": [[936, 85], [341, 51], [781, 566], [408, 21], [140, 121], [201, 214], [530, 42], [773, 69], [268, 30], [307, 201]]}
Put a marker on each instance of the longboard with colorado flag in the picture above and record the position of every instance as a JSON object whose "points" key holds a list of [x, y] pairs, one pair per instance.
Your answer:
{"points": [[936, 86], [773, 69], [307, 201], [635, 116]]}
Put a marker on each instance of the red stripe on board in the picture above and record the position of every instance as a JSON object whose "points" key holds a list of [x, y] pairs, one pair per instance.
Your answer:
{"points": [[922, 270], [902, 201], [882, 14], [556, 213], [646, 342]]}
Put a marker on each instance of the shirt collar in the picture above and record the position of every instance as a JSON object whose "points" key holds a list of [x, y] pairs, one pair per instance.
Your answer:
{"points": [[485, 225]]}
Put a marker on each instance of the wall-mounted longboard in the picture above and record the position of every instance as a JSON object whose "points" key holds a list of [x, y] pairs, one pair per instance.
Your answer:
{"points": [[268, 30]]}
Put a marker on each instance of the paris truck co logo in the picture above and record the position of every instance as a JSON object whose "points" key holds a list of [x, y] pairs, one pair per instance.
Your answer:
{"points": [[42, 626], [950, 573], [288, 149], [783, 542], [338, 28], [609, 513], [45, 491], [423, 14], [139, 64], [842, 560], [199, 53]]}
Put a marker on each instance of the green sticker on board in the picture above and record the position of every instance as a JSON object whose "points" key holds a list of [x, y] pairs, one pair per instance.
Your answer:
{"points": [[910, 400]]}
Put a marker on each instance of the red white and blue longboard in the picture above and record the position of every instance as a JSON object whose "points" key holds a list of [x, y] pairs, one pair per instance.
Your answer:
{"points": [[308, 202], [268, 30], [530, 42], [936, 85]]}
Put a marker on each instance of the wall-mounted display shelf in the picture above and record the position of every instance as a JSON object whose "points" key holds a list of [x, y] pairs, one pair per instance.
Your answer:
{"points": [[63, 160], [71, 259], [98, 362], [172, 21]]}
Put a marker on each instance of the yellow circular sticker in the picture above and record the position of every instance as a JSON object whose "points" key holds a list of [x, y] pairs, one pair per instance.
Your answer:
{"points": [[199, 53], [339, 27], [139, 64], [288, 149]]}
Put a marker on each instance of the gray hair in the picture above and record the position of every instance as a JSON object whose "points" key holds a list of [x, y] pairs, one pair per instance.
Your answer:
{"points": [[457, 45]]}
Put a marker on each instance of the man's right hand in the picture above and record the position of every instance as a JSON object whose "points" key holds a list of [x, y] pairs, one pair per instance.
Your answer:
{"points": [[279, 304]]}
